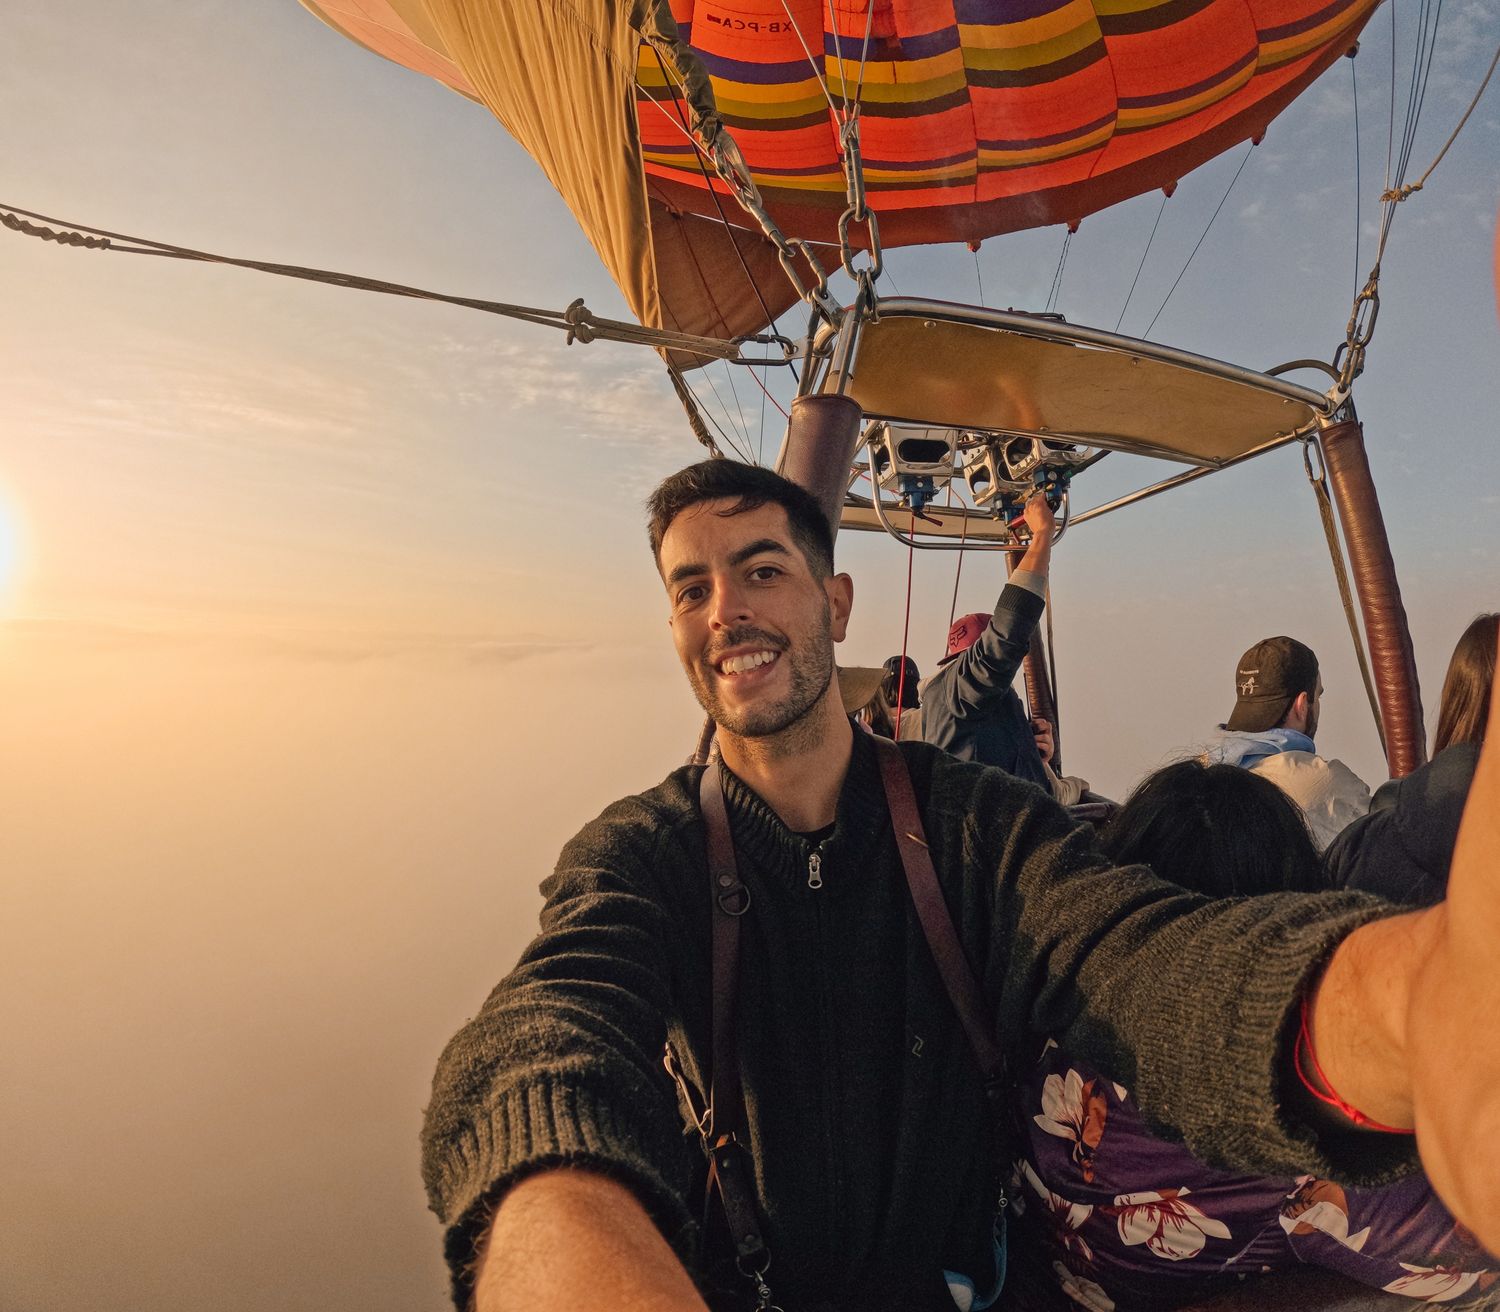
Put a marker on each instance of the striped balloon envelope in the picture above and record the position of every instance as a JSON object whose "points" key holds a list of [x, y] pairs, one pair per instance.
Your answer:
{"points": [[983, 116], [977, 117]]}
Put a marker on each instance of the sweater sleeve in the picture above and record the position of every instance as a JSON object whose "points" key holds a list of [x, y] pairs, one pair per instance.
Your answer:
{"points": [[985, 671], [1188, 1001], [562, 1065]]}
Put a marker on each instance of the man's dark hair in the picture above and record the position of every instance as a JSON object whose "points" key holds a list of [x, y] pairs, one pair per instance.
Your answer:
{"points": [[750, 487], [1216, 829]]}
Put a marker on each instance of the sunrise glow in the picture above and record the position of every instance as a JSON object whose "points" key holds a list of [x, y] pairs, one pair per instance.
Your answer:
{"points": [[10, 548]]}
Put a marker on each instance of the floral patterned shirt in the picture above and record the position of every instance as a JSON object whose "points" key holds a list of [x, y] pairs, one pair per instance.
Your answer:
{"points": [[1128, 1221]]}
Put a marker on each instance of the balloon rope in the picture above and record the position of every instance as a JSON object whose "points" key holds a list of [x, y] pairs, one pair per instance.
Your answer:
{"points": [[577, 320], [1406, 190]]}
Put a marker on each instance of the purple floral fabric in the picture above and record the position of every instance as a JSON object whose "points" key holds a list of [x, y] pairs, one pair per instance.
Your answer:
{"points": [[1129, 1222]]}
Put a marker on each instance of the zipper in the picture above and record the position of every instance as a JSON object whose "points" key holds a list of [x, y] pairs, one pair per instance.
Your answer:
{"points": [[815, 867]]}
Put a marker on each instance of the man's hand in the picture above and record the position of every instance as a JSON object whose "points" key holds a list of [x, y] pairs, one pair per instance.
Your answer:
{"points": [[1041, 730], [575, 1239], [1038, 517]]}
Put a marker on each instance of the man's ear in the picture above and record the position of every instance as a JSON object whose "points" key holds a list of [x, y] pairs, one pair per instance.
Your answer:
{"points": [[840, 590], [1296, 716]]}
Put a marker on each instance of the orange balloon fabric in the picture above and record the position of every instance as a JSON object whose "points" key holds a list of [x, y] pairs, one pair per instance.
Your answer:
{"points": [[981, 116]]}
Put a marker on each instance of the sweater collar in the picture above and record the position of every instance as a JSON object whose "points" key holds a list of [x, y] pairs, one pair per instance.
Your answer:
{"points": [[762, 841]]}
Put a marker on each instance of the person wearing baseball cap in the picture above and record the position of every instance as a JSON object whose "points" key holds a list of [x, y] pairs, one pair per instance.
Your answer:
{"points": [[1278, 694], [968, 706]]}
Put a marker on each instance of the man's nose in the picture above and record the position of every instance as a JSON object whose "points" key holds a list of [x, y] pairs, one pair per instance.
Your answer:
{"points": [[731, 604]]}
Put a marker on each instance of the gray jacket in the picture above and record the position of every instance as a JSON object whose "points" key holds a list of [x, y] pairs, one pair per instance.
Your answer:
{"points": [[969, 708]]}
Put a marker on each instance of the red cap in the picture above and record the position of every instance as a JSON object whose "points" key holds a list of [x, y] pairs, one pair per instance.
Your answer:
{"points": [[965, 633]]}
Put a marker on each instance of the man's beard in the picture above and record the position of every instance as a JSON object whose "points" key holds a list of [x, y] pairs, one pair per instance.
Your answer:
{"points": [[810, 669], [1312, 721]]}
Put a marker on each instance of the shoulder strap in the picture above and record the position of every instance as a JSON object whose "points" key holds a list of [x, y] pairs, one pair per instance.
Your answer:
{"points": [[731, 899], [932, 912], [729, 1163]]}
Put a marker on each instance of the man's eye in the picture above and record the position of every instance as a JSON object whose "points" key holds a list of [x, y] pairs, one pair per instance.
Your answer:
{"points": [[764, 573], [689, 595]]}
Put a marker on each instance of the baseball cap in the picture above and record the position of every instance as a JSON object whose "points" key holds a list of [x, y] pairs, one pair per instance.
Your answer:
{"points": [[1267, 680], [964, 634]]}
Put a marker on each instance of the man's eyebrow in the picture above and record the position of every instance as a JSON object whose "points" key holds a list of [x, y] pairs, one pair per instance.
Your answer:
{"points": [[685, 571], [756, 548]]}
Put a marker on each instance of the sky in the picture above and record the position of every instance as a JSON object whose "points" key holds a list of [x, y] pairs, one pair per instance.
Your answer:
{"points": [[325, 618]]}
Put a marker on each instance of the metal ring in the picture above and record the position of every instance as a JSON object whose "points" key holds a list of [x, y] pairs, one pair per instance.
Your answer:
{"points": [[724, 898], [847, 253]]}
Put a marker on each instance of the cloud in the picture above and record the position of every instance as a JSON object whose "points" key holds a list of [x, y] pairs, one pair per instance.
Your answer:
{"points": [[617, 394], [308, 646]]}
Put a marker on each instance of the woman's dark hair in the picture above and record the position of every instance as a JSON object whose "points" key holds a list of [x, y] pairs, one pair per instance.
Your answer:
{"points": [[1215, 829], [897, 692], [750, 487], [1464, 709]]}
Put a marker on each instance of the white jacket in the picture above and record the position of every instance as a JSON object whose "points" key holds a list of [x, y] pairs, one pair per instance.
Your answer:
{"points": [[1330, 794]]}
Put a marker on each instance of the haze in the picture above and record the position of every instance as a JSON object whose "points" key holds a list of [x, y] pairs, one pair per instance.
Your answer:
{"points": [[331, 618]]}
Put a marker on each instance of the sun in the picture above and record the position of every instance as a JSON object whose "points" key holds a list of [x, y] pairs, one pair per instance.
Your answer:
{"points": [[10, 548]]}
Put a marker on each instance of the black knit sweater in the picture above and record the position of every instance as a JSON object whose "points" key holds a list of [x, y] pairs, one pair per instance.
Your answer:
{"points": [[874, 1156]]}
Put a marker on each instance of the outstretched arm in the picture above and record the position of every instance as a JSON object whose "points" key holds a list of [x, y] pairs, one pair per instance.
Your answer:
{"points": [[1406, 1019], [986, 670], [575, 1239], [562, 1068]]}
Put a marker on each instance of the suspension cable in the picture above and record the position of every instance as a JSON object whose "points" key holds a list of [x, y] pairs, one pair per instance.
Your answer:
{"points": [[578, 321], [1407, 189], [959, 572], [1200, 242], [1349, 358], [1161, 209], [1057, 275], [694, 414], [1358, 185], [698, 155], [911, 551]]}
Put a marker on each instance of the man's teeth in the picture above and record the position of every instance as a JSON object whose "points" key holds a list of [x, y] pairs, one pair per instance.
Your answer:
{"points": [[750, 661]]}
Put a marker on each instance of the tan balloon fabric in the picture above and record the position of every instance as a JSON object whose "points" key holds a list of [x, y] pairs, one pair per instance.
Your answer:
{"points": [[561, 78], [397, 30]]}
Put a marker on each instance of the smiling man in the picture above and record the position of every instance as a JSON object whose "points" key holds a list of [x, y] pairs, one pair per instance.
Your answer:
{"points": [[554, 1148]]}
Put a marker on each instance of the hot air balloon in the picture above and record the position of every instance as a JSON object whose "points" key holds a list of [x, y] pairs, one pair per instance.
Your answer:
{"points": [[708, 148], [975, 118]]}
